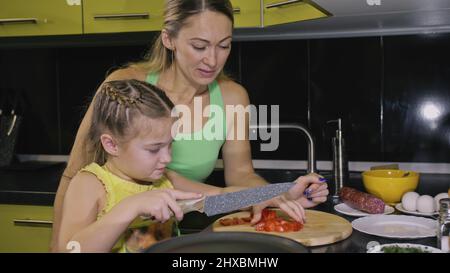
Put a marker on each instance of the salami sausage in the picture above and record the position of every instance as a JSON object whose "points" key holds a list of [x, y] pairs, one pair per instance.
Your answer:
{"points": [[361, 201]]}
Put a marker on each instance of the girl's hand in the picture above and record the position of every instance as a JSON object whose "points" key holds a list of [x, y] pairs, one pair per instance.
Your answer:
{"points": [[293, 202], [161, 204]]}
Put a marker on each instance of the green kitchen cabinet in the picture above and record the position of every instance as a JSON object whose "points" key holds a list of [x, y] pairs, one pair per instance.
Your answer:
{"points": [[105, 16], [287, 11], [25, 228], [40, 17], [247, 13]]}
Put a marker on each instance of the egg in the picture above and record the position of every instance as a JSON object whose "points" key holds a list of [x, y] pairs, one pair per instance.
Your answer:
{"points": [[439, 197], [425, 204], [409, 201]]}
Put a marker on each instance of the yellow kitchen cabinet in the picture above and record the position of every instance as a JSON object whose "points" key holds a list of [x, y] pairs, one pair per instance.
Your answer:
{"points": [[25, 228], [287, 11], [106, 16], [40, 17], [247, 13]]}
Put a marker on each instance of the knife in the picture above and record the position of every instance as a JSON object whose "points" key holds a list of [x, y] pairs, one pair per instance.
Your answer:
{"points": [[231, 201]]}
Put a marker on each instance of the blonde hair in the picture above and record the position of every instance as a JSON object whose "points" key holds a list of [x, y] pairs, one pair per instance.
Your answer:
{"points": [[159, 58], [118, 104]]}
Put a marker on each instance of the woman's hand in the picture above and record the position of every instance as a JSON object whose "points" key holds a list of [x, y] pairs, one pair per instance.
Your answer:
{"points": [[160, 204], [309, 191], [314, 194]]}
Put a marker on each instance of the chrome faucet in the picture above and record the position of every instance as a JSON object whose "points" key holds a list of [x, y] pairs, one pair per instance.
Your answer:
{"points": [[340, 163], [295, 127]]}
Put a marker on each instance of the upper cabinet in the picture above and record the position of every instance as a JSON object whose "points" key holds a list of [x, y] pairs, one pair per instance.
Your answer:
{"points": [[61, 17], [247, 13], [40, 17], [103, 16], [287, 11]]}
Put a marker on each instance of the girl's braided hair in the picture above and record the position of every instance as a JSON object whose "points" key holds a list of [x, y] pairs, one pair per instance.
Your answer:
{"points": [[118, 104]]}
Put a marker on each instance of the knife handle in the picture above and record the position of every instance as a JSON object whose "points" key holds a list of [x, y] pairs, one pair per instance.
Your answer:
{"points": [[192, 205], [186, 206]]}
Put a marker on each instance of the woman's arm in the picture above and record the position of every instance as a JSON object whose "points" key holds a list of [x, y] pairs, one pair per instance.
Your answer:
{"points": [[80, 156], [236, 153]]}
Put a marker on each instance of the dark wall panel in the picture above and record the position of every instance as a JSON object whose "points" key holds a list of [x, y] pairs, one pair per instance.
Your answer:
{"points": [[275, 73], [345, 82], [81, 73], [391, 92], [417, 98], [33, 74]]}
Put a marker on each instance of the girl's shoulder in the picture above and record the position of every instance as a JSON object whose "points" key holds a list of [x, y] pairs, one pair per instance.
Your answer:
{"points": [[233, 93], [85, 195], [88, 184]]}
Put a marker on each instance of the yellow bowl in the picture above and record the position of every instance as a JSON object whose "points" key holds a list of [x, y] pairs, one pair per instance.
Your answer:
{"points": [[390, 185]]}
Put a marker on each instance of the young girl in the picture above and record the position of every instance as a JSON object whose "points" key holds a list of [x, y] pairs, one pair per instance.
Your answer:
{"points": [[131, 131]]}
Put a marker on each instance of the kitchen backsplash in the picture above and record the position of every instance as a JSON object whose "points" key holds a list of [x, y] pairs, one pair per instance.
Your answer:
{"points": [[393, 93]]}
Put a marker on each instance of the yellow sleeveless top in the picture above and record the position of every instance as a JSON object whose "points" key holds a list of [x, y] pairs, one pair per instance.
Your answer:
{"points": [[141, 233]]}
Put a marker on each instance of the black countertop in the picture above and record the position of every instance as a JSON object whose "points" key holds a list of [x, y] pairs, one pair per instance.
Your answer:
{"points": [[31, 183], [36, 184], [357, 242]]}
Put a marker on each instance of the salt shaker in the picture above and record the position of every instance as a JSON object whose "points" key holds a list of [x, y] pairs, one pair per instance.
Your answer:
{"points": [[444, 225]]}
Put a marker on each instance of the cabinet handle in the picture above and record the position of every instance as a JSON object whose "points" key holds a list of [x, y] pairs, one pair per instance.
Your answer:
{"points": [[18, 20], [237, 10], [280, 4], [122, 16], [32, 223]]}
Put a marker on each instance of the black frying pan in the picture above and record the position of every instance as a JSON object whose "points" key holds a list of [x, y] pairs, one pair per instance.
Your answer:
{"points": [[228, 242]]}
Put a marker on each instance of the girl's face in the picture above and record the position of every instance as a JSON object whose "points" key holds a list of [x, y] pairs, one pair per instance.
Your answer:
{"points": [[145, 156], [202, 46]]}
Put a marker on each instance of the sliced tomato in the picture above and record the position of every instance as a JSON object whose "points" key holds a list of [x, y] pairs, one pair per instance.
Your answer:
{"points": [[280, 228], [235, 221], [268, 214], [226, 222], [260, 226], [296, 226], [288, 226], [270, 225]]}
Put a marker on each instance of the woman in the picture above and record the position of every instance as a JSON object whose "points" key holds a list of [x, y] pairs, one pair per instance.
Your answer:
{"points": [[187, 62]]}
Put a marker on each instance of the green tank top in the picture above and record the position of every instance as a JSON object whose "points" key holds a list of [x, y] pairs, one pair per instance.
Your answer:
{"points": [[194, 155]]}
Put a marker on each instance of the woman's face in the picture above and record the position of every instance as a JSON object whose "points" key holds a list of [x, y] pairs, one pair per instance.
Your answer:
{"points": [[202, 46]]}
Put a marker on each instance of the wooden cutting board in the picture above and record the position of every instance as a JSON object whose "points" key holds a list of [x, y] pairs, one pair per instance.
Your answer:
{"points": [[321, 228]]}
